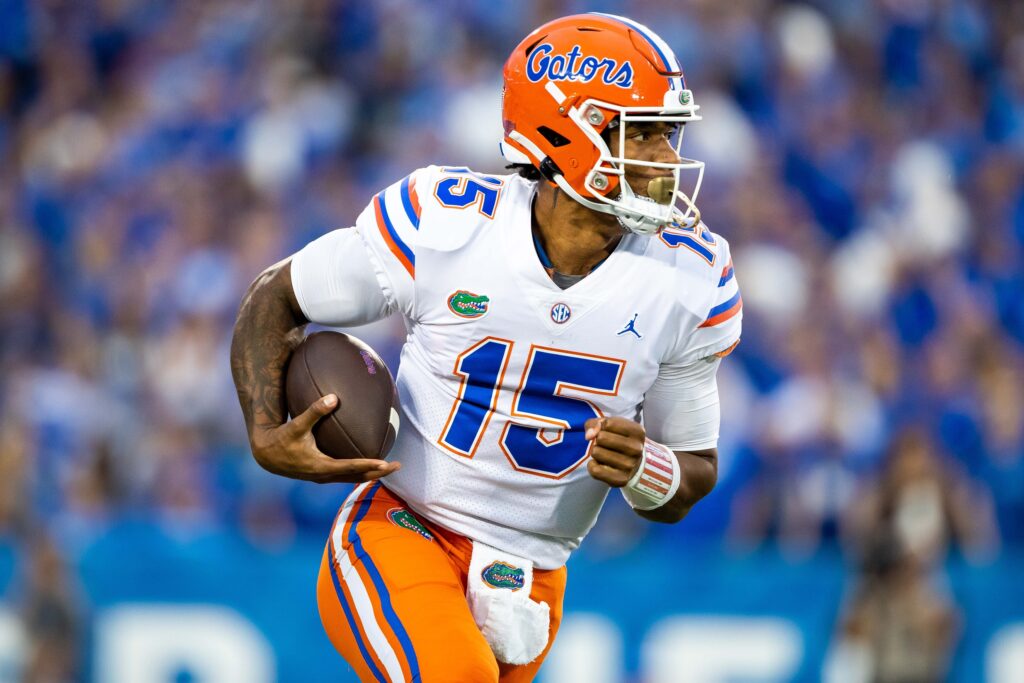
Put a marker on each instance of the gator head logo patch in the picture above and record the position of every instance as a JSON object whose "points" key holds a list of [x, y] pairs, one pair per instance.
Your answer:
{"points": [[503, 575], [405, 519], [467, 304]]}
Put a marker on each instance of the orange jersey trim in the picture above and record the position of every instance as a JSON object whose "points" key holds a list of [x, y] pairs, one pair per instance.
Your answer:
{"points": [[389, 239], [728, 313]]}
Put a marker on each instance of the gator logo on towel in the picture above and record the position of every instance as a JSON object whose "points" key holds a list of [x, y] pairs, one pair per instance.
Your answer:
{"points": [[503, 575], [467, 304], [405, 519]]}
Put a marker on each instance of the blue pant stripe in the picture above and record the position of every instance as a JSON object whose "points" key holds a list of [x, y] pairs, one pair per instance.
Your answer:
{"points": [[351, 619], [378, 582]]}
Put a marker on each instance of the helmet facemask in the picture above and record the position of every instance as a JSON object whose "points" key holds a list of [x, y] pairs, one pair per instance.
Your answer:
{"points": [[665, 205]]}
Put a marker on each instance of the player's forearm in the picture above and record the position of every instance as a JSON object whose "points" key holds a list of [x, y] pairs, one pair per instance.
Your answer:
{"points": [[699, 473], [263, 337]]}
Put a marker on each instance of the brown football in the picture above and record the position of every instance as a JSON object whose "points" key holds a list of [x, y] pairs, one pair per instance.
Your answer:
{"points": [[365, 423]]}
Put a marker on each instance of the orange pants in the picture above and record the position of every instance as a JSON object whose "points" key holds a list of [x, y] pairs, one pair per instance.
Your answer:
{"points": [[392, 597]]}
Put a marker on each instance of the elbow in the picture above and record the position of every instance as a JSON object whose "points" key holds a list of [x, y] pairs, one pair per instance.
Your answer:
{"points": [[701, 473], [679, 512], [670, 513], [272, 291], [675, 515], [699, 479], [709, 483]]}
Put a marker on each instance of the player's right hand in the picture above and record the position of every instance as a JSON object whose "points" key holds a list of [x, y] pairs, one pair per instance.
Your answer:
{"points": [[290, 451]]}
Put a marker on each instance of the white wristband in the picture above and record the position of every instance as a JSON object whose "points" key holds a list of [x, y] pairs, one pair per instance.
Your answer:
{"points": [[657, 479]]}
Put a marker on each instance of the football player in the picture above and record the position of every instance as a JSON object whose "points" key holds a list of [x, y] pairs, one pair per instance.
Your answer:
{"points": [[565, 324]]}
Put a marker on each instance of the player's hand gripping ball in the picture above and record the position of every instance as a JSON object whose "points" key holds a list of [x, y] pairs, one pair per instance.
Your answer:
{"points": [[366, 420]]}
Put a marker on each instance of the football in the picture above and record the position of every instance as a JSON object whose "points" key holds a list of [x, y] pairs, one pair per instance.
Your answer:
{"points": [[365, 423]]}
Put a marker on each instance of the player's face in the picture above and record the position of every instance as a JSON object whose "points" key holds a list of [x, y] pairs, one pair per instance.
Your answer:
{"points": [[647, 141]]}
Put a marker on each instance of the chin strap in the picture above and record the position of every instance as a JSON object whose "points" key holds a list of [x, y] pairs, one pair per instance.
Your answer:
{"points": [[636, 222], [564, 185]]}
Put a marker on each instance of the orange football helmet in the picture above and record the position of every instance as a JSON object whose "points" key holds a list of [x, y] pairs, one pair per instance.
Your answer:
{"points": [[573, 78]]}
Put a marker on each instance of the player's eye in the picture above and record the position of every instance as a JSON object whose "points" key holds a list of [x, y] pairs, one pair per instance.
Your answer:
{"points": [[648, 134], [641, 135]]}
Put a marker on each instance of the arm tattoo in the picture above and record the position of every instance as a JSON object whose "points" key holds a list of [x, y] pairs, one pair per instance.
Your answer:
{"points": [[265, 333]]}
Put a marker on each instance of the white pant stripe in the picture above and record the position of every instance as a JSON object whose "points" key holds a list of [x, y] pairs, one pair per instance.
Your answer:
{"points": [[360, 596]]}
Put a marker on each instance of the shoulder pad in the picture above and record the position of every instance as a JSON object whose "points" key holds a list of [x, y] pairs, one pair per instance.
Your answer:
{"points": [[696, 248], [700, 259], [458, 202]]}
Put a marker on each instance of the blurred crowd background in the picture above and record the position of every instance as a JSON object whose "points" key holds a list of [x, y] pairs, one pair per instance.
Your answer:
{"points": [[865, 158]]}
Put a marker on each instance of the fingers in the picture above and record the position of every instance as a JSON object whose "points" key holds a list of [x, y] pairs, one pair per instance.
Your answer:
{"points": [[609, 475], [354, 470], [631, 446], [623, 426], [291, 451], [305, 421], [615, 425], [621, 461]]}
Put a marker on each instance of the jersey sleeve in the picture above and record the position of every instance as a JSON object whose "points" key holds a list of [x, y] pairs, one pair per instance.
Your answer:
{"points": [[335, 283], [681, 408], [389, 227], [718, 331]]}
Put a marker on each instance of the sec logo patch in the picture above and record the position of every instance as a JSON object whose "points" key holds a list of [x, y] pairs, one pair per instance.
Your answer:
{"points": [[560, 313]]}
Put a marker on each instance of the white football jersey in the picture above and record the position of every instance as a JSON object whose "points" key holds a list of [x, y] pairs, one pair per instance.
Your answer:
{"points": [[501, 367]]}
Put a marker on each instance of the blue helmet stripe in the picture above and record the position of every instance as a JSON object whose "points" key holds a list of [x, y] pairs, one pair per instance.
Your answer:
{"points": [[651, 37]]}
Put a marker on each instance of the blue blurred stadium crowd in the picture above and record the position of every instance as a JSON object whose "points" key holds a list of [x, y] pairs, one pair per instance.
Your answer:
{"points": [[864, 158]]}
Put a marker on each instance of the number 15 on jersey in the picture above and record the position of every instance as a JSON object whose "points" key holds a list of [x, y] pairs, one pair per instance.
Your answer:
{"points": [[542, 397]]}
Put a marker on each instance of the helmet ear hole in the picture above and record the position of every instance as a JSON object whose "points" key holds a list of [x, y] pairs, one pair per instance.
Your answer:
{"points": [[612, 127], [549, 169], [555, 138]]}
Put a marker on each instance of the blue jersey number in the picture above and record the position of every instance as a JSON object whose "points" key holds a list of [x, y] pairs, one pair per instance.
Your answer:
{"points": [[557, 446], [481, 368], [469, 189], [698, 239]]}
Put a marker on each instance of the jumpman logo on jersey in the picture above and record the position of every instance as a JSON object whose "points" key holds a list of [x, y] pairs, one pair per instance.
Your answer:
{"points": [[631, 327]]}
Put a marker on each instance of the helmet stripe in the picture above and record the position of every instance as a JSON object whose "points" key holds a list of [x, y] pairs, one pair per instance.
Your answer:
{"points": [[668, 57]]}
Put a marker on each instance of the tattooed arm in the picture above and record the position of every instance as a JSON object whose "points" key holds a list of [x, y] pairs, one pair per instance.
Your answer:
{"points": [[269, 326]]}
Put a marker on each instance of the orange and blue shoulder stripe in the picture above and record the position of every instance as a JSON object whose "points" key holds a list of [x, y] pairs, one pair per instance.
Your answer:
{"points": [[386, 225], [727, 274], [411, 201], [724, 311], [730, 307]]}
